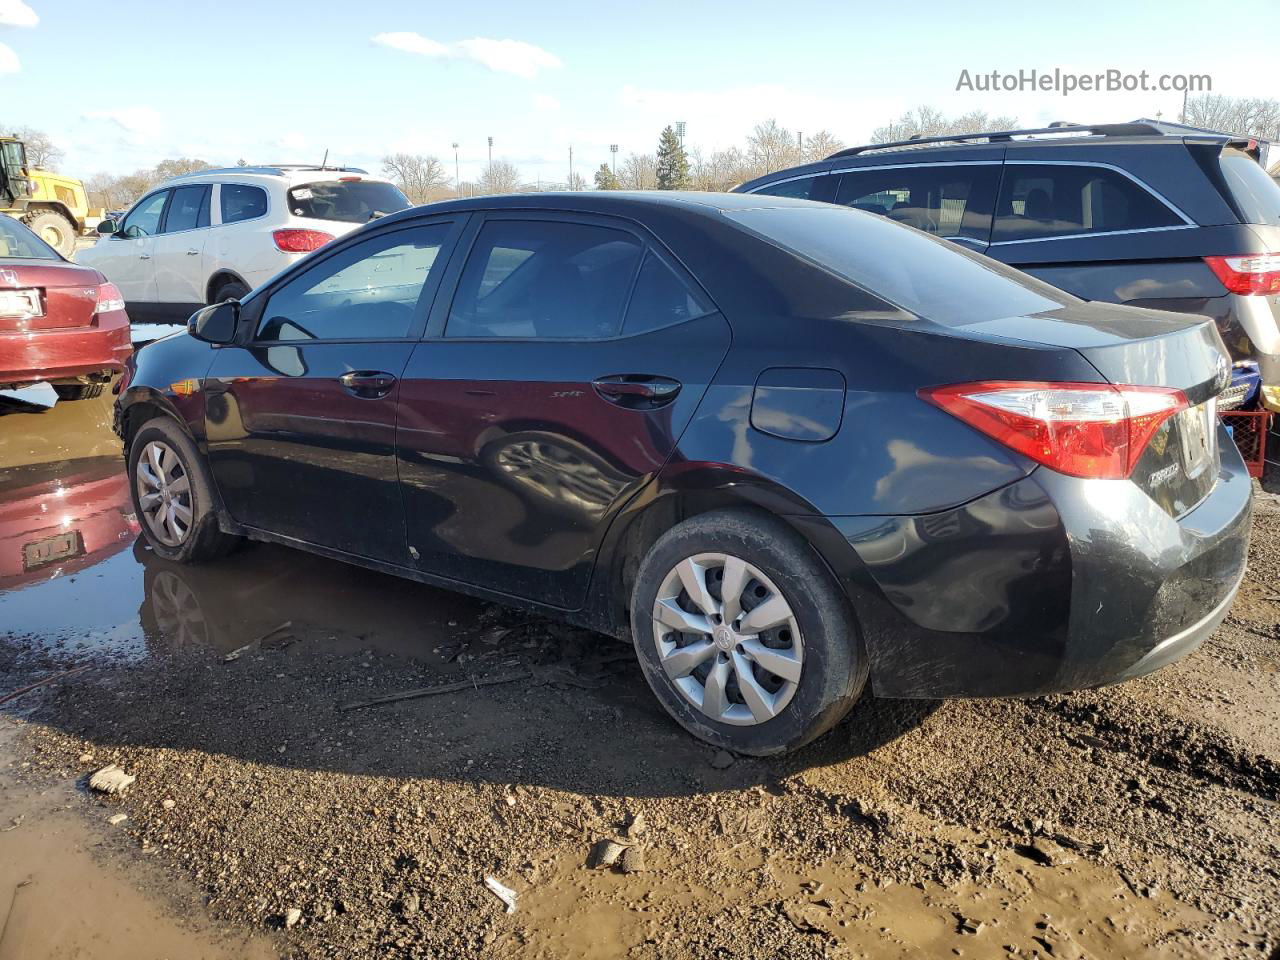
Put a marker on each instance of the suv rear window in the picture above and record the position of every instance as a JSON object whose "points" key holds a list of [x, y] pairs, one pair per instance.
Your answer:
{"points": [[351, 201], [1038, 201], [1256, 195], [928, 277], [242, 202]]}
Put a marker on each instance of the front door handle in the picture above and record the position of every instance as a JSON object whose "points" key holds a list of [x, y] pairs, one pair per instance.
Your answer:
{"points": [[637, 391], [144, 256], [368, 384], [193, 253]]}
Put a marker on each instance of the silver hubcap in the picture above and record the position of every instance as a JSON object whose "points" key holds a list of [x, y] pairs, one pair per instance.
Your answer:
{"points": [[727, 639], [164, 493]]}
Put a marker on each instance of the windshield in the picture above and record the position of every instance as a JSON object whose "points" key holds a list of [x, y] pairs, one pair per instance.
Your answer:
{"points": [[19, 243], [928, 277], [352, 201], [1257, 196]]}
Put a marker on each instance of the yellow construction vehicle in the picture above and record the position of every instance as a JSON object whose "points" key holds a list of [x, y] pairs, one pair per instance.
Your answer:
{"points": [[53, 206]]}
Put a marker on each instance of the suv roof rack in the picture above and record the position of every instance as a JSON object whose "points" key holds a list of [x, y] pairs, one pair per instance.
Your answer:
{"points": [[1096, 129], [270, 170]]}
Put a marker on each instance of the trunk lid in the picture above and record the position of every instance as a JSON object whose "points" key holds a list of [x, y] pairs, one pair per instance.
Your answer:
{"points": [[67, 293], [1136, 347]]}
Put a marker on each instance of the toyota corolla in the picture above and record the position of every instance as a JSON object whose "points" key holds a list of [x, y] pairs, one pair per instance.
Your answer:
{"points": [[790, 450]]}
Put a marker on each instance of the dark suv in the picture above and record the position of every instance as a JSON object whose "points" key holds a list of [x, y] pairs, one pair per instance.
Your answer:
{"points": [[1138, 213]]}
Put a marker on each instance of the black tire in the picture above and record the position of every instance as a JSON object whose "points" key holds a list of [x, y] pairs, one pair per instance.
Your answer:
{"points": [[42, 221], [203, 539], [834, 665], [229, 290], [78, 391]]}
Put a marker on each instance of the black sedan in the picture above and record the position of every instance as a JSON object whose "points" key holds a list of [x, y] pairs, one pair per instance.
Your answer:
{"points": [[785, 447]]}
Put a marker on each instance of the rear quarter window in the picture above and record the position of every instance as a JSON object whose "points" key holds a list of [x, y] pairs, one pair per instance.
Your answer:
{"points": [[240, 201], [1040, 201], [928, 277]]}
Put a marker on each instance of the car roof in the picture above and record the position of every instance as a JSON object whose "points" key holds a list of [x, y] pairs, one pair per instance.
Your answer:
{"points": [[278, 174], [616, 202]]}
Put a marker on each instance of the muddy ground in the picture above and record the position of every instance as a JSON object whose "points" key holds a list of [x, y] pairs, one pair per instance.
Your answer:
{"points": [[267, 820]]}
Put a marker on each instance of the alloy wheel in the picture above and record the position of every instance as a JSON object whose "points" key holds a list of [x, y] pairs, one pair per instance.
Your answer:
{"points": [[164, 493], [727, 639]]}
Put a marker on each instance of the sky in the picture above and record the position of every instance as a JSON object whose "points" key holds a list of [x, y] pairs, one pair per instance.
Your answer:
{"points": [[123, 84]]}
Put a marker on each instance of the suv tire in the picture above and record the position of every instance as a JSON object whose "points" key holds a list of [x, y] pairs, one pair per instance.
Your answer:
{"points": [[812, 637], [229, 290]]}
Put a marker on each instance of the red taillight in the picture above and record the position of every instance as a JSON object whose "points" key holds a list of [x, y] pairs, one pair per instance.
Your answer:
{"points": [[1253, 274], [1080, 429], [110, 299], [300, 241]]}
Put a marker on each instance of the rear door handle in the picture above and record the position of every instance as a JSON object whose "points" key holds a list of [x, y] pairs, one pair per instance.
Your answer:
{"points": [[368, 384], [193, 253], [144, 256], [637, 391]]}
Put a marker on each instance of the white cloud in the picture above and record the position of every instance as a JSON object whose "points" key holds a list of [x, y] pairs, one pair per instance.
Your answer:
{"points": [[502, 56], [543, 102], [411, 42], [15, 13], [9, 62], [139, 122], [510, 56]]}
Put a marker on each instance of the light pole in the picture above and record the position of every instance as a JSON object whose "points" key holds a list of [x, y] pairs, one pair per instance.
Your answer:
{"points": [[613, 149], [571, 166], [491, 158], [457, 180]]}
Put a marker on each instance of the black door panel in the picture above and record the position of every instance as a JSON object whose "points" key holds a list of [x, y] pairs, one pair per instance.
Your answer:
{"points": [[512, 463]]}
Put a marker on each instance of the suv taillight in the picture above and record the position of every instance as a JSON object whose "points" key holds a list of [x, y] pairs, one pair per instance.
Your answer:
{"points": [[1080, 429], [1252, 274], [110, 299], [300, 241]]}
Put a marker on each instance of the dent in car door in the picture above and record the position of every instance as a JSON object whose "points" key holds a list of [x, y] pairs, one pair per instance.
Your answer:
{"points": [[515, 454]]}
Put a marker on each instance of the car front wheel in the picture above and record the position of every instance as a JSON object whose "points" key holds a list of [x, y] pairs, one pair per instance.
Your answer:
{"points": [[744, 635], [173, 496]]}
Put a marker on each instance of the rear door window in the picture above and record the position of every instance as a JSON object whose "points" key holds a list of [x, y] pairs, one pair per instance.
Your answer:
{"points": [[947, 201], [189, 209], [544, 279], [1038, 201], [144, 219], [349, 201], [240, 201], [1256, 195]]}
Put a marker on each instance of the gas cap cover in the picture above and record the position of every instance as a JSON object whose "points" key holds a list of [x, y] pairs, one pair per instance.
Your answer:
{"points": [[798, 403]]}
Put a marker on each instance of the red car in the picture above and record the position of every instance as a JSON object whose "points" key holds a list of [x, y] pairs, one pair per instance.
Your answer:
{"points": [[59, 322]]}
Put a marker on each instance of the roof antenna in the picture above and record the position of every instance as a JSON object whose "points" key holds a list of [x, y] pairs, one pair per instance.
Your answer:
{"points": [[324, 164]]}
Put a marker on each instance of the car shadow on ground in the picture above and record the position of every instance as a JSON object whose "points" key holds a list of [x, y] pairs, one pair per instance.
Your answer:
{"points": [[511, 698]]}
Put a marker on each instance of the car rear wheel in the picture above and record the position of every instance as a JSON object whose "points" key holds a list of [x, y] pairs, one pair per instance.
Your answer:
{"points": [[172, 495], [743, 634], [229, 290]]}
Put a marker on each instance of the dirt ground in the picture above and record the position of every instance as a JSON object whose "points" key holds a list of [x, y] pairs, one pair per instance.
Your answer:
{"points": [[277, 813]]}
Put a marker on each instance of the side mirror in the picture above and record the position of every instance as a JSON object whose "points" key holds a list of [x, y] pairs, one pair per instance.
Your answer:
{"points": [[215, 323], [108, 228]]}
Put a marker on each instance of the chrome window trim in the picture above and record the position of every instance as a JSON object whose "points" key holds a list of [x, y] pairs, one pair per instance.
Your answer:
{"points": [[878, 166], [1097, 233]]}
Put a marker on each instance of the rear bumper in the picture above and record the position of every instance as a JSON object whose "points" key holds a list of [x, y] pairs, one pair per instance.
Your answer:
{"points": [[63, 354], [1047, 585]]}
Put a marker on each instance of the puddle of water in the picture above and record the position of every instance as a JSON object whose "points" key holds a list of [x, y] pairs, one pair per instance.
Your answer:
{"points": [[65, 893], [74, 577]]}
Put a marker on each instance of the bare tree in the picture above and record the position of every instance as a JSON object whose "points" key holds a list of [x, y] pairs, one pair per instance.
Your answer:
{"points": [[1243, 116], [820, 145], [577, 181], [720, 170], [501, 176], [42, 152], [179, 166], [106, 190], [421, 177], [926, 121], [771, 147], [639, 172]]}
